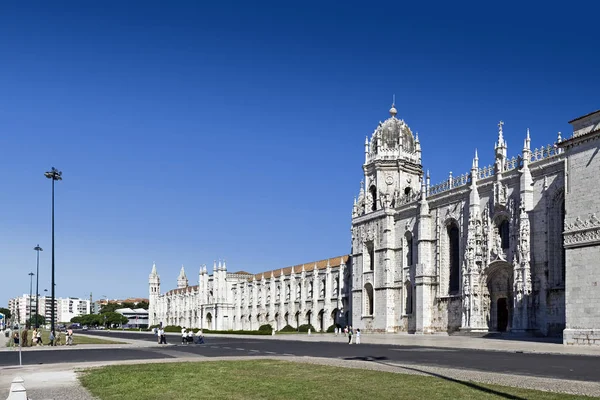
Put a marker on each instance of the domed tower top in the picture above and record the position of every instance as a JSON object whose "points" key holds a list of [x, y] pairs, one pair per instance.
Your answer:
{"points": [[392, 139]]}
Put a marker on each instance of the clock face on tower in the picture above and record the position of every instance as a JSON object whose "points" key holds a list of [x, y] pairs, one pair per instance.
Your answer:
{"points": [[389, 179]]}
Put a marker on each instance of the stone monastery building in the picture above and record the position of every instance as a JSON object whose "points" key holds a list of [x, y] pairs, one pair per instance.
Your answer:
{"points": [[514, 246]]}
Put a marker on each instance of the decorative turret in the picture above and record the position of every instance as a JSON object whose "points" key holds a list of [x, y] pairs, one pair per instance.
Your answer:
{"points": [[500, 147], [526, 181], [154, 294], [182, 281]]}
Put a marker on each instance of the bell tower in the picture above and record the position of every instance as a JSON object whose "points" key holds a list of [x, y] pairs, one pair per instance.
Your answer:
{"points": [[392, 178], [154, 294]]}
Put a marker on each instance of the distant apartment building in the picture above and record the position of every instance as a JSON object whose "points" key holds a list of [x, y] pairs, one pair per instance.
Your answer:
{"points": [[64, 308]]}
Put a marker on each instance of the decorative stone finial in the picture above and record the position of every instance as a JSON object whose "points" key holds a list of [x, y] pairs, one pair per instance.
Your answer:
{"points": [[393, 110]]}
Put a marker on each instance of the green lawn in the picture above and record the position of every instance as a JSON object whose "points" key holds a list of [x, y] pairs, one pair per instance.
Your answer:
{"points": [[272, 379], [77, 339]]}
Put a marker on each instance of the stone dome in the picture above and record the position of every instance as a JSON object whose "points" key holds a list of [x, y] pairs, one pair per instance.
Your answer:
{"points": [[391, 130]]}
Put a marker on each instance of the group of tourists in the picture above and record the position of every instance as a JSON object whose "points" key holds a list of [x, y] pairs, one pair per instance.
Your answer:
{"points": [[187, 336], [25, 340], [349, 332]]}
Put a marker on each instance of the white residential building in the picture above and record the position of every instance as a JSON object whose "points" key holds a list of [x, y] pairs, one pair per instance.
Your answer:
{"points": [[64, 308]]}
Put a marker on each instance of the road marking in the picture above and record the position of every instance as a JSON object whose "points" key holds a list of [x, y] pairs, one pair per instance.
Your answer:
{"points": [[239, 348], [227, 347], [254, 351], [214, 347], [270, 352], [286, 354]]}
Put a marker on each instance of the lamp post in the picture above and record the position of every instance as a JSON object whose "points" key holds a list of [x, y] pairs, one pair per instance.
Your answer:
{"points": [[37, 284], [31, 274], [53, 175]]}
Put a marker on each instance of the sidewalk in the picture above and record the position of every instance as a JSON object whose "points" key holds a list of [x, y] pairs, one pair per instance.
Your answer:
{"points": [[127, 343]]}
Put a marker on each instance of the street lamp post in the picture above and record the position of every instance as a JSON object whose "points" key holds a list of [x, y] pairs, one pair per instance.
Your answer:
{"points": [[31, 274], [37, 284], [53, 175]]}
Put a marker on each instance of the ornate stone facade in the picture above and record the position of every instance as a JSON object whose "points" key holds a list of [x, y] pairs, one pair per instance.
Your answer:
{"points": [[479, 252], [512, 246], [314, 293]]}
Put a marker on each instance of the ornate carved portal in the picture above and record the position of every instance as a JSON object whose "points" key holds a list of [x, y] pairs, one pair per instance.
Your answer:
{"points": [[498, 300]]}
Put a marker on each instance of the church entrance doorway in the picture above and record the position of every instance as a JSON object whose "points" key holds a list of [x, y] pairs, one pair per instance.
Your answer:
{"points": [[502, 309], [497, 302]]}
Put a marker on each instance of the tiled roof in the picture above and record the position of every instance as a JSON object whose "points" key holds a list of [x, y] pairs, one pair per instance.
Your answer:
{"points": [[322, 264]]}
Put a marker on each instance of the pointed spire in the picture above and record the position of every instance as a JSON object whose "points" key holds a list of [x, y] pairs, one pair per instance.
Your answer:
{"points": [[215, 266], [272, 274], [527, 142], [220, 266], [224, 265], [500, 133], [182, 272], [315, 268], [475, 161], [303, 270], [417, 137], [154, 269]]}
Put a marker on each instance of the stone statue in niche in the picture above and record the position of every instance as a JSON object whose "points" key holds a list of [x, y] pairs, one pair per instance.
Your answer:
{"points": [[368, 202]]}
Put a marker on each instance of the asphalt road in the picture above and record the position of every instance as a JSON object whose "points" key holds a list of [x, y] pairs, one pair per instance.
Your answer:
{"points": [[583, 368]]}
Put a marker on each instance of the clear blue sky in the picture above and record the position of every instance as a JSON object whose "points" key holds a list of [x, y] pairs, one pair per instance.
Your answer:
{"points": [[188, 132]]}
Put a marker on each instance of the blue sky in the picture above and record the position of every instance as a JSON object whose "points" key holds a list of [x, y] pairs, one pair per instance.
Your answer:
{"points": [[188, 132]]}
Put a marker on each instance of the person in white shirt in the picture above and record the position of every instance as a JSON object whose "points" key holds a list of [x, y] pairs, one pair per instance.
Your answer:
{"points": [[183, 336]]}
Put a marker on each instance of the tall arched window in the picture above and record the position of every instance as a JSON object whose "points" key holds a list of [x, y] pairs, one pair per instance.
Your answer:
{"points": [[373, 191], [454, 257], [371, 255], [368, 299], [409, 296], [504, 234], [409, 249]]}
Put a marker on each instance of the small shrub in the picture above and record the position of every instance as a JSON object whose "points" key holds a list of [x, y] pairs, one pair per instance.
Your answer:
{"points": [[331, 329], [172, 328], [266, 328], [288, 328], [306, 327]]}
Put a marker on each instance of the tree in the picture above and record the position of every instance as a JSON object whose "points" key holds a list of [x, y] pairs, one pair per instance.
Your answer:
{"points": [[114, 318], [142, 304], [38, 320], [110, 307], [127, 305], [6, 312]]}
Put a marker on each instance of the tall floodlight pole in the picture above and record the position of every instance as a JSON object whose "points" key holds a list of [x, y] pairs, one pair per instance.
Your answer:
{"points": [[31, 274], [37, 285], [53, 175]]}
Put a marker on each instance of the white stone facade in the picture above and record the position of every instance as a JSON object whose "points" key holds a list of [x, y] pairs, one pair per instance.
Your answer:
{"points": [[513, 246], [314, 293]]}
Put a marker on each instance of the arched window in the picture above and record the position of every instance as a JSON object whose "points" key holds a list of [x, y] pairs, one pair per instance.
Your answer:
{"points": [[371, 253], [409, 296], [561, 224], [287, 292], [298, 290], [454, 257], [322, 294], [504, 234], [407, 191], [373, 191], [310, 290], [409, 249], [368, 295]]}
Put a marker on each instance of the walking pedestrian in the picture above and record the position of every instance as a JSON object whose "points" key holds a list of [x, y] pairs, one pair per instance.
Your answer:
{"points": [[350, 335], [357, 340]]}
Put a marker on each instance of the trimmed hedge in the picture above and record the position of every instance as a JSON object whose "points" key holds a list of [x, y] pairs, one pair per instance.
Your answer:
{"points": [[266, 328], [306, 327], [288, 328], [331, 329]]}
